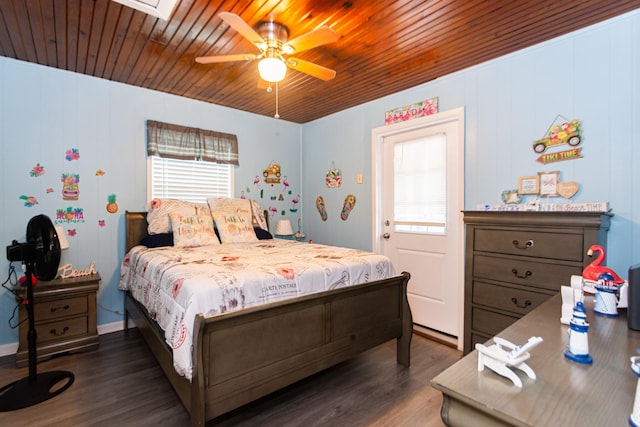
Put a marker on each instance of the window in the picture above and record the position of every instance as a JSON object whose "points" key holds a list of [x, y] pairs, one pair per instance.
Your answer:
{"points": [[189, 163], [190, 180], [420, 185]]}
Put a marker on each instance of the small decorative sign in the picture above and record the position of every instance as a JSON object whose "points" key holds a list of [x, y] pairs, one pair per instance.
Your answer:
{"points": [[567, 189], [568, 132], [420, 109], [67, 271], [334, 177], [272, 173], [551, 207], [560, 156]]}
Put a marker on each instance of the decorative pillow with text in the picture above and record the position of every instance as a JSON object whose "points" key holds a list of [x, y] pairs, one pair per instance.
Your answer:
{"points": [[193, 230], [234, 229], [158, 211]]}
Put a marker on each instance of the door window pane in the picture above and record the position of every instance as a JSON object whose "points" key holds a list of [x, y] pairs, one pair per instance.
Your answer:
{"points": [[420, 185]]}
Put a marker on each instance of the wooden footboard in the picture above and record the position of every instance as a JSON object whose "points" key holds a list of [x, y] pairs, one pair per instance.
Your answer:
{"points": [[243, 355]]}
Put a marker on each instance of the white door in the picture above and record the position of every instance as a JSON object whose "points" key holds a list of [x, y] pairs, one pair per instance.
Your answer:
{"points": [[418, 223]]}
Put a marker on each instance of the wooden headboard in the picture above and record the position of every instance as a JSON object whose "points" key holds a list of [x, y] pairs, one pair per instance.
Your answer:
{"points": [[136, 227]]}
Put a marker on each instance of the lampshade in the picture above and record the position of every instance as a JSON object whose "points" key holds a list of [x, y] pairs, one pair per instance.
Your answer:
{"points": [[272, 69], [64, 243], [284, 228]]}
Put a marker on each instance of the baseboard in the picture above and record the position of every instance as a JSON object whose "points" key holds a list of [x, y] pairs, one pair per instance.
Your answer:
{"points": [[12, 348], [111, 327], [8, 349], [436, 336]]}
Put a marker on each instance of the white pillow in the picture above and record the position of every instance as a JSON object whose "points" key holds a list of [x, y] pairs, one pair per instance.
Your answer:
{"points": [[249, 210], [193, 230], [158, 211], [234, 228]]}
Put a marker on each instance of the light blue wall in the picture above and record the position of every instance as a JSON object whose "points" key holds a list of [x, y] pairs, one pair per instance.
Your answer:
{"points": [[592, 75], [44, 112]]}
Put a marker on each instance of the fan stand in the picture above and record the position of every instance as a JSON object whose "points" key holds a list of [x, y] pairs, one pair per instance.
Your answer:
{"points": [[35, 388]]}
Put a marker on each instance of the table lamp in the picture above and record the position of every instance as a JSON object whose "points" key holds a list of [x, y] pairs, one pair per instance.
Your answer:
{"points": [[284, 228]]}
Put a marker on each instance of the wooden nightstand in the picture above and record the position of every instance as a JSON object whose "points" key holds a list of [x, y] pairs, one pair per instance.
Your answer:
{"points": [[65, 318]]}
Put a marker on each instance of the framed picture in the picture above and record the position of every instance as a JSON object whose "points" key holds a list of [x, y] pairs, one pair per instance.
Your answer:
{"points": [[528, 184], [549, 183]]}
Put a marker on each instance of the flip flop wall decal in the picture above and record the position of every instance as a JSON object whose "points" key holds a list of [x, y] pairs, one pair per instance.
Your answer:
{"points": [[321, 208], [349, 204]]}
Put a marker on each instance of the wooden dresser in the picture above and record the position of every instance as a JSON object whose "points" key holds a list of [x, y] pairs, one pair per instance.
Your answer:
{"points": [[514, 261], [65, 318], [564, 393]]}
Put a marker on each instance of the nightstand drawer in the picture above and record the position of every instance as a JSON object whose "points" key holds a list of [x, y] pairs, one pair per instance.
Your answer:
{"points": [[557, 246], [518, 301], [62, 329], [524, 272], [65, 318], [55, 309]]}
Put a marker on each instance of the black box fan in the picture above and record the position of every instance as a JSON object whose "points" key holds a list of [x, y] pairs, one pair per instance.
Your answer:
{"points": [[40, 256]]}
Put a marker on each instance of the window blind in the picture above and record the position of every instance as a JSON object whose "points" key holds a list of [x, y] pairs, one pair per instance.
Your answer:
{"points": [[189, 180]]}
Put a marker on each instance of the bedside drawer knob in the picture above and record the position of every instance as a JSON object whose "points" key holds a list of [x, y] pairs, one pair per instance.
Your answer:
{"points": [[64, 307], [528, 244], [526, 304], [521, 276], [59, 334]]}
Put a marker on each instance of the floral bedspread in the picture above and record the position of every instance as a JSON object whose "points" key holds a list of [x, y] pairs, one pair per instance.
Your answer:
{"points": [[176, 284]]}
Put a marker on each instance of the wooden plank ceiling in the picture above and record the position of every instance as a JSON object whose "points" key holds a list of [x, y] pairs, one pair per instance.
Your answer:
{"points": [[383, 47]]}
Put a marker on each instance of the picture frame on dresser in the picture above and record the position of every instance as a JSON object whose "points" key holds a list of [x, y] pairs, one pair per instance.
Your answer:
{"points": [[528, 184], [548, 183]]}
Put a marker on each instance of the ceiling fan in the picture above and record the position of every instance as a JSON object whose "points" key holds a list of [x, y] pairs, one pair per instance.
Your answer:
{"points": [[275, 50]]}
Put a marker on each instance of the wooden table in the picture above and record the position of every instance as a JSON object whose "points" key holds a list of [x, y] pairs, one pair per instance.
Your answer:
{"points": [[565, 393]]}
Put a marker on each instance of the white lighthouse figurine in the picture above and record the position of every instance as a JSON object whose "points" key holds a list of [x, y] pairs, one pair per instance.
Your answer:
{"points": [[578, 350]]}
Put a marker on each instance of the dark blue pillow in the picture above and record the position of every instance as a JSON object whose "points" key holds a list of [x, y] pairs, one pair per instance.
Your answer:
{"points": [[157, 240], [262, 234]]}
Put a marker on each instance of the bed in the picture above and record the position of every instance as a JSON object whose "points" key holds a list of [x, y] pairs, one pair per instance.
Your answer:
{"points": [[242, 355]]}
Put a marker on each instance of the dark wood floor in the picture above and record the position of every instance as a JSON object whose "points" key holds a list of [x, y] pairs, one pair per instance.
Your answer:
{"points": [[120, 384]]}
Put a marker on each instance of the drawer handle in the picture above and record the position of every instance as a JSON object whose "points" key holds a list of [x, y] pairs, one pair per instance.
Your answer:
{"points": [[528, 244], [55, 332], [521, 276], [526, 304], [64, 307]]}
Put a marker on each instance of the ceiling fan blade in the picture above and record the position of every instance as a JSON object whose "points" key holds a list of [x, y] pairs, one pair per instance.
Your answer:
{"points": [[225, 58], [242, 27], [315, 70], [317, 37], [263, 84]]}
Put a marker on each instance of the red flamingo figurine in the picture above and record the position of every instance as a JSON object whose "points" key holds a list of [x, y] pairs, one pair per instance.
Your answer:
{"points": [[593, 270]]}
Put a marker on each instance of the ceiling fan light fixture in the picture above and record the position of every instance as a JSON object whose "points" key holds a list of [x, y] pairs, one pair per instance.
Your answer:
{"points": [[272, 69]]}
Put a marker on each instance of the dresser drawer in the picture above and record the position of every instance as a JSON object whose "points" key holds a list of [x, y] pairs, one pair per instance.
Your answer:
{"points": [[518, 301], [55, 309], [479, 338], [524, 272], [489, 322], [62, 329], [556, 246]]}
